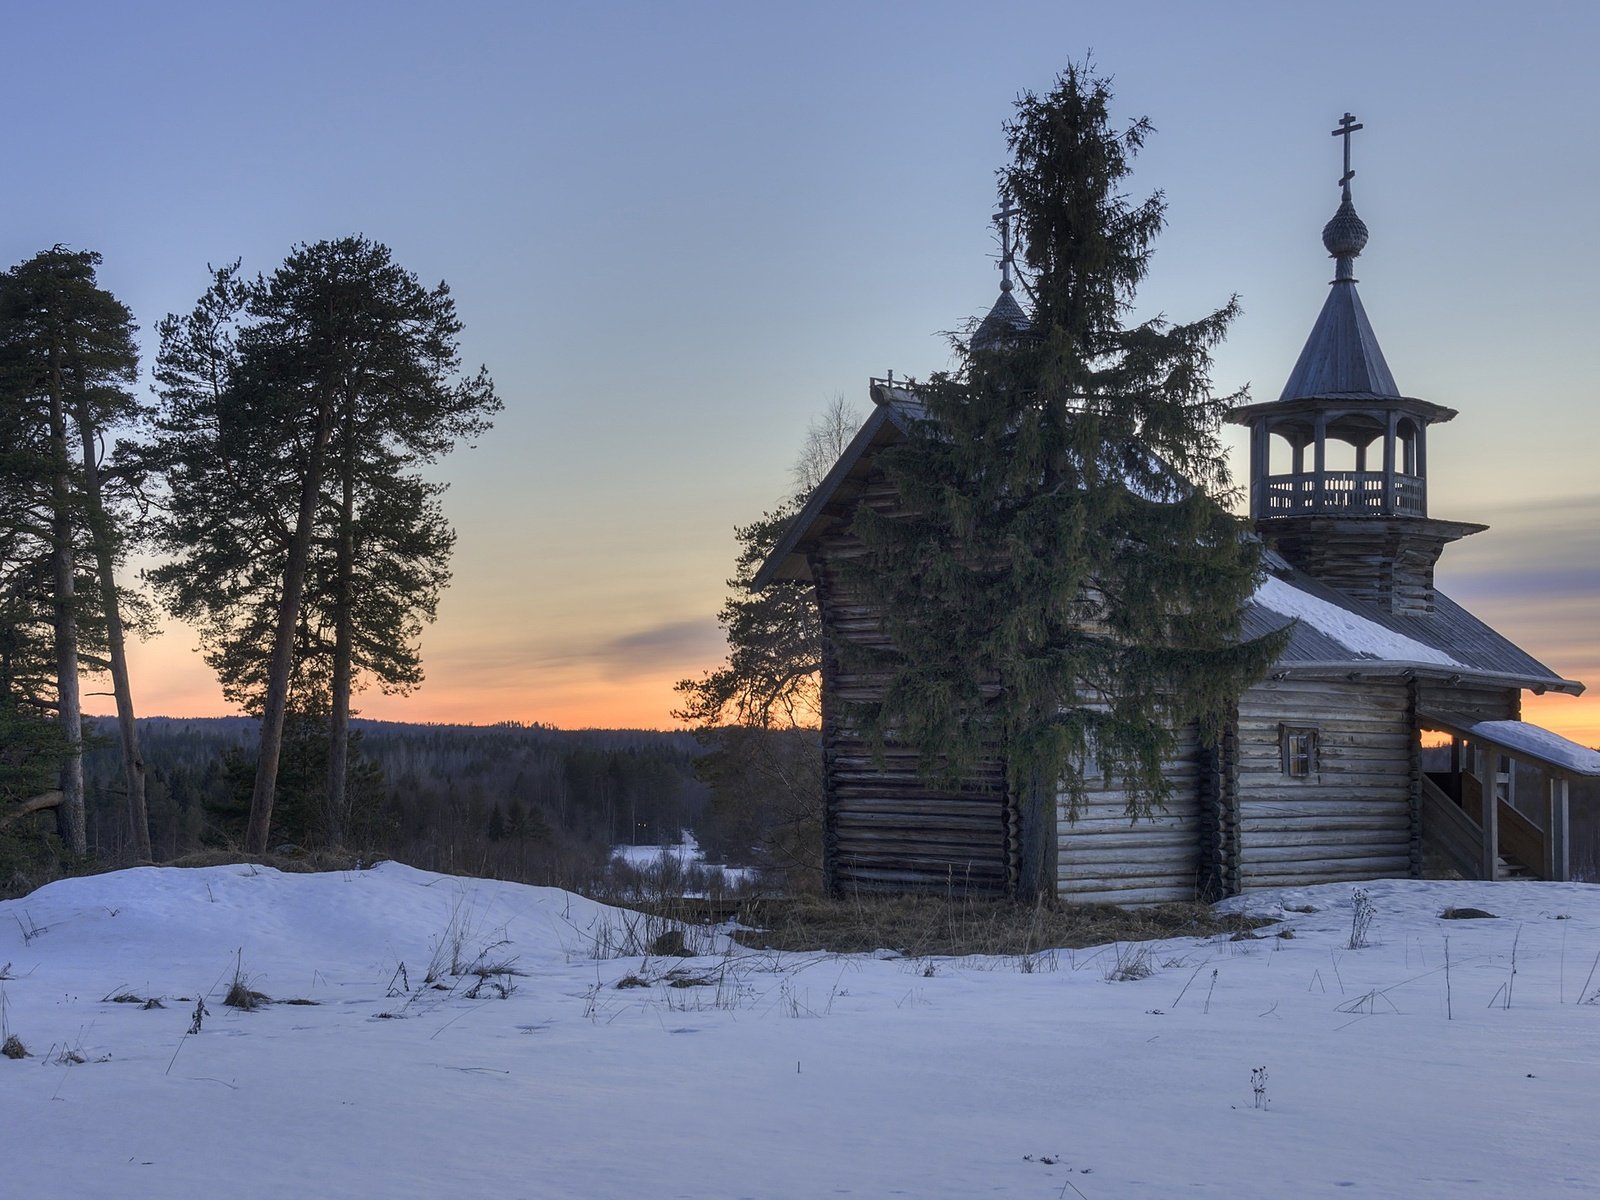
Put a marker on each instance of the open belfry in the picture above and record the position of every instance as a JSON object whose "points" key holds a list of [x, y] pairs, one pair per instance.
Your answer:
{"points": [[1364, 529]]}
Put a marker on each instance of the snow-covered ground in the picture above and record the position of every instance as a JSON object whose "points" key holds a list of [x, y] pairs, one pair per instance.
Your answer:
{"points": [[792, 1075], [685, 855]]}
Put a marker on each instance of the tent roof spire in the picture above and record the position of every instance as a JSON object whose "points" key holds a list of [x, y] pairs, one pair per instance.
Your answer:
{"points": [[1342, 356]]}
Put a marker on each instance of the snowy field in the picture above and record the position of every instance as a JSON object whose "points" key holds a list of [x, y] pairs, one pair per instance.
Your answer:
{"points": [[791, 1075], [685, 856]]}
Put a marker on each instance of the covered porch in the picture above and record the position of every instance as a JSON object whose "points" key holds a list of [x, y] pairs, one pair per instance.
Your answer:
{"points": [[1473, 813]]}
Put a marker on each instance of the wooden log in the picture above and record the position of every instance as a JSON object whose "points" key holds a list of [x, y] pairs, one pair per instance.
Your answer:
{"points": [[1331, 779], [1099, 831], [871, 808], [1262, 756], [1179, 873], [1356, 872], [1379, 807], [1333, 842], [1145, 843], [1132, 895], [1288, 832], [1274, 856], [39, 803]]}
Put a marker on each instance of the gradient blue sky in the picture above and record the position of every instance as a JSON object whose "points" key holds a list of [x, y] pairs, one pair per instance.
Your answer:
{"points": [[675, 231]]}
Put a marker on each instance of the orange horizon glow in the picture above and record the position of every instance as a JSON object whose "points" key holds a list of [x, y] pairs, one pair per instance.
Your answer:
{"points": [[567, 698]]}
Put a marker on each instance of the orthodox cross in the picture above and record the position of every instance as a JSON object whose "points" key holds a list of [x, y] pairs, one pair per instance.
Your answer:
{"points": [[1003, 219], [1347, 126]]}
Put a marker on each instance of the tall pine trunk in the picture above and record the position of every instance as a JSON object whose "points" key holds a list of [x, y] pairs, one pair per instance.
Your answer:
{"points": [[105, 554], [69, 815], [276, 703], [339, 719]]}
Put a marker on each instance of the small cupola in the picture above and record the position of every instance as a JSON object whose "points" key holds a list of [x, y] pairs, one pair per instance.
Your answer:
{"points": [[1006, 321], [1339, 462]]}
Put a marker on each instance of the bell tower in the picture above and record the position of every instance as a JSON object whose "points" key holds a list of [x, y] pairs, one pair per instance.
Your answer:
{"points": [[1339, 462]]}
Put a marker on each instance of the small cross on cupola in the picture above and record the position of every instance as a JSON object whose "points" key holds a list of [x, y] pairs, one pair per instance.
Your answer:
{"points": [[1347, 127], [1345, 236], [1008, 247], [1339, 463], [1006, 321]]}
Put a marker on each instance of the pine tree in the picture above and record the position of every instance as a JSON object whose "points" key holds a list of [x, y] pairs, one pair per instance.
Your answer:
{"points": [[1065, 584], [296, 411], [70, 362]]}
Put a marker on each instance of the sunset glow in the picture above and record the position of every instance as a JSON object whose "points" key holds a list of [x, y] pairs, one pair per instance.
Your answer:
{"points": [[674, 233]]}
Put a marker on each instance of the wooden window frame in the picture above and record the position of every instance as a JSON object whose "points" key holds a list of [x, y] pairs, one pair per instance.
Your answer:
{"points": [[1299, 751]]}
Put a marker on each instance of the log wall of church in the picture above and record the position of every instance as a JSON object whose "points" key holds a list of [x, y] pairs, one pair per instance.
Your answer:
{"points": [[1469, 703], [1105, 856], [1356, 816], [884, 827]]}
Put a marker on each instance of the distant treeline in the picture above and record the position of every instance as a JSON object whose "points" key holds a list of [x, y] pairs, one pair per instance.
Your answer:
{"points": [[530, 803]]}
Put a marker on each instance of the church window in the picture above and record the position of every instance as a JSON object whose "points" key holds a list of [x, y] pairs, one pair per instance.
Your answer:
{"points": [[1297, 748]]}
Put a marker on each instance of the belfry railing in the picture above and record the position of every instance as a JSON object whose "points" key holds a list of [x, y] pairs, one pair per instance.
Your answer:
{"points": [[1348, 493]]}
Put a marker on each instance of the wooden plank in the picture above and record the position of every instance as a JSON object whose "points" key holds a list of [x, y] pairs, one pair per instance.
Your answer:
{"points": [[1453, 836], [1522, 840]]}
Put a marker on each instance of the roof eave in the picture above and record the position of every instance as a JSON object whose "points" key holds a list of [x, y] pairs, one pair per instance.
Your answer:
{"points": [[1246, 414], [1384, 667], [787, 561]]}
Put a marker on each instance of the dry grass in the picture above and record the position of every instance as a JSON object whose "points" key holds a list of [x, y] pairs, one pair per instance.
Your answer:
{"points": [[301, 863], [241, 996], [919, 926]]}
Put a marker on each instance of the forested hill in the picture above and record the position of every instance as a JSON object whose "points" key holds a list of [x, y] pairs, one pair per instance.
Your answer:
{"points": [[518, 801], [231, 730]]}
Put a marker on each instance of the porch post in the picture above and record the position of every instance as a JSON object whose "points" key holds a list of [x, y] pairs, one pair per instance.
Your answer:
{"points": [[1487, 761], [1558, 846]]}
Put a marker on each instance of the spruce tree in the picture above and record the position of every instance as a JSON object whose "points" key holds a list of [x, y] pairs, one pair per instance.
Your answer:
{"points": [[1063, 583]]}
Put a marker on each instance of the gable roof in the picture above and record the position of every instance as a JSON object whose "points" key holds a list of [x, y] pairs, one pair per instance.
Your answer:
{"points": [[1336, 633], [1333, 633], [895, 408]]}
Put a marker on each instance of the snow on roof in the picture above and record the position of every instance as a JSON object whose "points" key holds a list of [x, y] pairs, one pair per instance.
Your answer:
{"points": [[1365, 638], [1540, 743]]}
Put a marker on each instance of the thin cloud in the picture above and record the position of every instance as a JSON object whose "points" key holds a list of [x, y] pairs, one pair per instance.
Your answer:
{"points": [[679, 645]]}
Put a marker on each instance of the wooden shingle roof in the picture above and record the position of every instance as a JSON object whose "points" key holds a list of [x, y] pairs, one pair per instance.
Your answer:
{"points": [[1342, 356], [1448, 642]]}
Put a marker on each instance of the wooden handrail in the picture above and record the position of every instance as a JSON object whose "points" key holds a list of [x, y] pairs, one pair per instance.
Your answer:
{"points": [[1451, 831], [1522, 840]]}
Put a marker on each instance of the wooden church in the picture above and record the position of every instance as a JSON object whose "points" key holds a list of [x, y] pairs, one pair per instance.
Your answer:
{"points": [[1318, 776]]}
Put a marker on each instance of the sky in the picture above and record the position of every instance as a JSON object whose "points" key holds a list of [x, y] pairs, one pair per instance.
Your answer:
{"points": [[676, 231]]}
